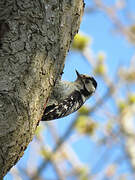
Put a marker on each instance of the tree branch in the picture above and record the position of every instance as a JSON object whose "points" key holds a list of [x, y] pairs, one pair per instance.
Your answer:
{"points": [[33, 47]]}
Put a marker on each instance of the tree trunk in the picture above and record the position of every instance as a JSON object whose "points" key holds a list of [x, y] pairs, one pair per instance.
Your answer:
{"points": [[34, 39]]}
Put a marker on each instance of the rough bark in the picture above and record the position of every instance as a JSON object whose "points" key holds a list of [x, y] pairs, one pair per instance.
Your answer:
{"points": [[34, 39]]}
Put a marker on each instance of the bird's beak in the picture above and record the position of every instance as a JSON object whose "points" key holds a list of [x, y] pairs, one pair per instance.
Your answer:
{"points": [[78, 75]]}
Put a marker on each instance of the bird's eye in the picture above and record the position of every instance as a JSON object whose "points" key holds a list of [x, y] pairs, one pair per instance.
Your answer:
{"points": [[87, 81]]}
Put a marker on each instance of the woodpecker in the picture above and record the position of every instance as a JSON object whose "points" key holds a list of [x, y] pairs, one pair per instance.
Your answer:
{"points": [[68, 97]]}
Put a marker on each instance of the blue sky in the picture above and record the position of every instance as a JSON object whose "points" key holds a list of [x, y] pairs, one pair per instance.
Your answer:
{"points": [[118, 51]]}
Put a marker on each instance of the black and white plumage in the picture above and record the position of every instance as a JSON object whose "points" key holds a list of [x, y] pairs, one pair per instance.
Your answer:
{"points": [[68, 97]]}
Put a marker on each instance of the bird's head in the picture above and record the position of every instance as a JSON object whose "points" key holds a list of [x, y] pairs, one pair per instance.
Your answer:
{"points": [[88, 82]]}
